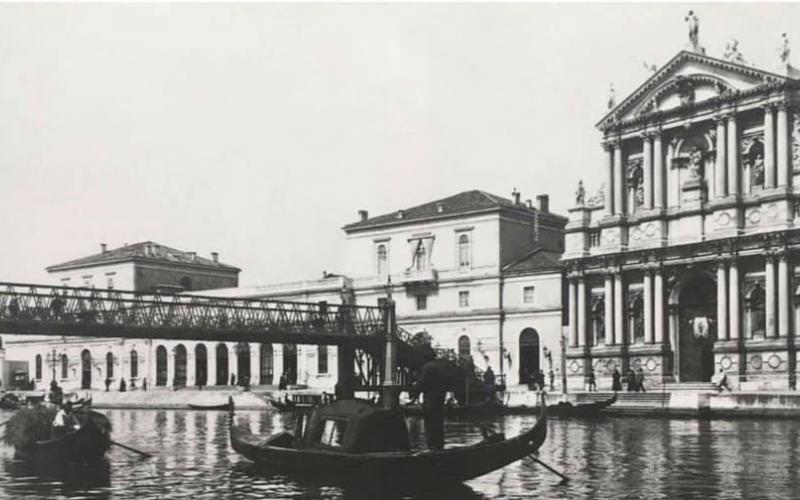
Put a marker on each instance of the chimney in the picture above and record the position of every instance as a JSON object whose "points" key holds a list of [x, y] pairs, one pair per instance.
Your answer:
{"points": [[215, 257], [400, 214], [529, 203], [363, 215], [103, 248], [439, 207], [543, 201], [148, 250], [516, 195], [193, 256]]}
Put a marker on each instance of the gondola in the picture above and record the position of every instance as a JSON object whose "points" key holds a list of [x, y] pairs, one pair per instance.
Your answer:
{"points": [[564, 409], [224, 407], [353, 441], [288, 405], [87, 445]]}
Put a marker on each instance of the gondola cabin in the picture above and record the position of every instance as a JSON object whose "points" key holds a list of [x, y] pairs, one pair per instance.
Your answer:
{"points": [[354, 426]]}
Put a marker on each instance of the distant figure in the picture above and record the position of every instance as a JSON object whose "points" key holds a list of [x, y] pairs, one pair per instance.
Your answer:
{"points": [[133, 384], [57, 306], [56, 395], [432, 385], [693, 25], [122, 386], [592, 381], [784, 50], [282, 382], [144, 384], [108, 384], [580, 194], [233, 379], [13, 307], [32, 384], [640, 381], [722, 383], [552, 376], [540, 379], [65, 422], [631, 379], [616, 384]]}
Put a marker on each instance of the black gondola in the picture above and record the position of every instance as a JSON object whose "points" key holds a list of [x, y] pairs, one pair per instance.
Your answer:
{"points": [[225, 407], [298, 402], [87, 445], [561, 409], [354, 441], [10, 401]]}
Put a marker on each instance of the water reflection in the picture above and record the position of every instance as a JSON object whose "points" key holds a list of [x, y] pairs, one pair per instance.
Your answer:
{"points": [[605, 459]]}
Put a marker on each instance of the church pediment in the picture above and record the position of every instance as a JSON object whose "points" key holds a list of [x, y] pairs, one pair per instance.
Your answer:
{"points": [[686, 79]]}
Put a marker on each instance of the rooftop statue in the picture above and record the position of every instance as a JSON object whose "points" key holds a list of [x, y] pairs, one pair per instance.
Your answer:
{"points": [[693, 24], [651, 68], [784, 49], [580, 195], [732, 53], [612, 96]]}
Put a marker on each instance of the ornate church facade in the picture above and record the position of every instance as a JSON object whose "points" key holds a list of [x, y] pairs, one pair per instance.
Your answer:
{"points": [[688, 261]]}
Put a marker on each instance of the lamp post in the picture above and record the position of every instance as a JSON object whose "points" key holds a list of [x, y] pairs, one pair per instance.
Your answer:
{"points": [[52, 360], [391, 389]]}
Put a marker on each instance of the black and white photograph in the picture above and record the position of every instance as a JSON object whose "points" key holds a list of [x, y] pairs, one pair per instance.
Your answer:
{"points": [[395, 250]]}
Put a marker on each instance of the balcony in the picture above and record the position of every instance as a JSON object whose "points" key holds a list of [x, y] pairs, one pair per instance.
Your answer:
{"points": [[419, 278]]}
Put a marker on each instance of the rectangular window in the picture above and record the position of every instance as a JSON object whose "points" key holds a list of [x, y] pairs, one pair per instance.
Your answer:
{"points": [[422, 302], [322, 359], [463, 299], [528, 294]]}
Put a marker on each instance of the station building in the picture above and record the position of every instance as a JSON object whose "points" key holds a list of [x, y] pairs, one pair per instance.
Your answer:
{"points": [[687, 262]]}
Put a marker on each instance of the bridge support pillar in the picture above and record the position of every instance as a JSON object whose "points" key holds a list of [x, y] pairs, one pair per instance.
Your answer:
{"points": [[345, 364]]}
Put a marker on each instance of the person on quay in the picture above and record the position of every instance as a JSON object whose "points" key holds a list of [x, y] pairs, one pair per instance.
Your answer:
{"points": [[108, 384], [552, 376], [432, 383], [631, 379], [616, 383], [282, 382], [640, 381], [592, 381], [65, 421], [56, 395], [490, 381], [233, 379], [144, 384], [722, 382], [122, 386]]}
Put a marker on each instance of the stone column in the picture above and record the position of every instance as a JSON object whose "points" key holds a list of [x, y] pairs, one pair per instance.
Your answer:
{"points": [[648, 307], [609, 310], [582, 326], [211, 366], [733, 156], [647, 148], [733, 299], [782, 136], [658, 317], [619, 309], [722, 162], [255, 364], [191, 366], [233, 366], [769, 293], [609, 202], [659, 173], [619, 181], [783, 296], [171, 365], [769, 147], [573, 313], [722, 302]]}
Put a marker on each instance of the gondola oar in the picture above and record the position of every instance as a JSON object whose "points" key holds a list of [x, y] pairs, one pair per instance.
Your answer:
{"points": [[564, 479], [142, 453]]}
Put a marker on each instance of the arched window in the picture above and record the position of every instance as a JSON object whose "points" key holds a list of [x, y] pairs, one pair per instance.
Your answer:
{"points": [[181, 357], [464, 252], [186, 283], [322, 359], [161, 365], [266, 364], [109, 365], [529, 362], [64, 367], [421, 258], [754, 164], [382, 259], [134, 364], [38, 367], [636, 315], [464, 349]]}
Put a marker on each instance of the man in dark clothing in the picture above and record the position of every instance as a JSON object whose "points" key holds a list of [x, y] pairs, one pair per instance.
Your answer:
{"points": [[616, 384], [552, 376], [631, 378], [108, 384], [432, 383], [592, 381], [282, 382], [122, 386]]}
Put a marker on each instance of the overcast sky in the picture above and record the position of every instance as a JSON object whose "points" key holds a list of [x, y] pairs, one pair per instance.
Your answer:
{"points": [[259, 130]]}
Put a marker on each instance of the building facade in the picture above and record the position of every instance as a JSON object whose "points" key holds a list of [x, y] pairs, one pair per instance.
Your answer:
{"points": [[685, 263], [87, 363]]}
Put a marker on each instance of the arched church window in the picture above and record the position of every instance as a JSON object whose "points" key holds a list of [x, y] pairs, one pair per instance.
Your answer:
{"points": [[464, 348]]}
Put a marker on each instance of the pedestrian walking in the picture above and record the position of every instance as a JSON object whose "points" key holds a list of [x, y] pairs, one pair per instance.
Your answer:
{"points": [[722, 381], [616, 384], [552, 380], [640, 381], [592, 381], [631, 379]]}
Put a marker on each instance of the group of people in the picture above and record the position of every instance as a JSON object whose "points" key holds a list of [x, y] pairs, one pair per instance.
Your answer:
{"points": [[634, 380], [537, 381], [123, 387]]}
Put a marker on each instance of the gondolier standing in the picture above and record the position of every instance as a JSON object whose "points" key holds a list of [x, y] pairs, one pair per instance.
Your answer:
{"points": [[65, 422], [432, 385]]}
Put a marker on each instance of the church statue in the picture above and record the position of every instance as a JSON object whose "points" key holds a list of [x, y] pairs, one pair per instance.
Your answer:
{"points": [[651, 68], [784, 49], [758, 171], [696, 163], [611, 96], [693, 24], [732, 53], [580, 194]]}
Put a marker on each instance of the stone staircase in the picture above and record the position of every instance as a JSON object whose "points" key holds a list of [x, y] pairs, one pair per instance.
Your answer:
{"points": [[630, 403], [702, 387]]}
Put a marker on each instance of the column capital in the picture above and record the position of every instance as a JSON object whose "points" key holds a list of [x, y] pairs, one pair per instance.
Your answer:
{"points": [[720, 118], [768, 107], [574, 275], [781, 105]]}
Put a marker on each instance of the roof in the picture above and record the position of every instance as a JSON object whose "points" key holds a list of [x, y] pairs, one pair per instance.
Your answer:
{"points": [[666, 71], [139, 251], [538, 259], [463, 203]]}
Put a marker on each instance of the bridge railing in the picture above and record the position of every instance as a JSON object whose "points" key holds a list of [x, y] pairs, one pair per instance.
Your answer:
{"points": [[21, 302]]}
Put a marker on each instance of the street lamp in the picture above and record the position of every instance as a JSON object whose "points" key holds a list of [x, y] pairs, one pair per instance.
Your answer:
{"points": [[52, 360]]}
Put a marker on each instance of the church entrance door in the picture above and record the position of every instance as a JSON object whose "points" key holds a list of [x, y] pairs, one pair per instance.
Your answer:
{"points": [[697, 331]]}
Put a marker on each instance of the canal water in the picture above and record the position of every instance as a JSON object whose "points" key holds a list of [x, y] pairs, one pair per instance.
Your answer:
{"points": [[609, 458]]}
